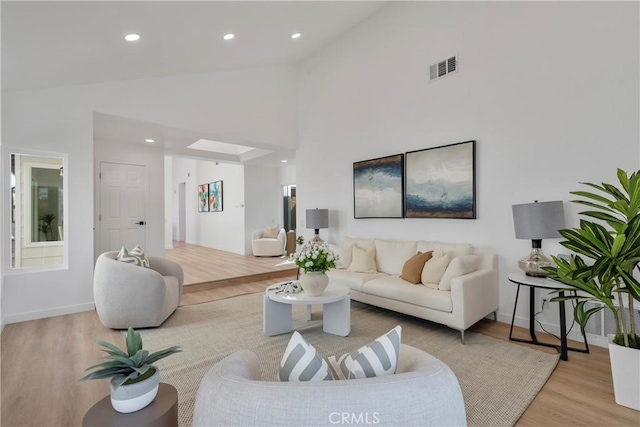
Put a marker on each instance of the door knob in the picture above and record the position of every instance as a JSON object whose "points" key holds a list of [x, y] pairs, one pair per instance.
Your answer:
{"points": [[141, 223]]}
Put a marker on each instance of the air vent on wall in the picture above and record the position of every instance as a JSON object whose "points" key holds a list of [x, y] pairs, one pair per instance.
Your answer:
{"points": [[443, 68]]}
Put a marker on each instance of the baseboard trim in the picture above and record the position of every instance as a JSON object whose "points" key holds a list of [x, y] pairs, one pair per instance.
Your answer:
{"points": [[43, 314]]}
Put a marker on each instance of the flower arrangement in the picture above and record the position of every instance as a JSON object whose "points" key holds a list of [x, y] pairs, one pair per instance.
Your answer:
{"points": [[300, 240], [314, 256]]}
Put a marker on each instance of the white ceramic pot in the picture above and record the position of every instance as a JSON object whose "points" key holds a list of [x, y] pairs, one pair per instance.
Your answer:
{"points": [[133, 397], [625, 369], [314, 283]]}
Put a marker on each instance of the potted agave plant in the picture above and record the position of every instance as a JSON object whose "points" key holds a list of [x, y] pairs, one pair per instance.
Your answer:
{"points": [[134, 378], [612, 251]]}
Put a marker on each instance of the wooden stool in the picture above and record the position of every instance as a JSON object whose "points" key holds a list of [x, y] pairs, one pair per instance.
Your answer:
{"points": [[163, 411]]}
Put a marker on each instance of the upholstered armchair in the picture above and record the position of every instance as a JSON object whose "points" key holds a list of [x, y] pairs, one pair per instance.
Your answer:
{"points": [[423, 392], [127, 295], [268, 246]]}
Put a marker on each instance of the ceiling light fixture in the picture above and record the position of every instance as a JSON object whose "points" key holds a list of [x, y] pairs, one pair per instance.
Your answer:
{"points": [[132, 37], [228, 36], [149, 140], [283, 161], [295, 35]]}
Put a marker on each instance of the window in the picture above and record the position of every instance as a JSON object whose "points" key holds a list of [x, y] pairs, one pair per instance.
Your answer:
{"points": [[38, 211]]}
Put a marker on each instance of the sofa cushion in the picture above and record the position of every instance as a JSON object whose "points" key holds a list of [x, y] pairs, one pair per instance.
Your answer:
{"points": [[363, 243], [435, 268], [412, 269], [353, 280], [453, 249], [376, 359], [344, 255], [301, 362], [458, 266], [392, 254], [270, 233], [363, 260], [393, 287]]}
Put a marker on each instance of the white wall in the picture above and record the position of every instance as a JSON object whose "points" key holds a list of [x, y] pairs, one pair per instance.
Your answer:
{"points": [[549, 90], [220, 230], [249, 105], [263, 201]]}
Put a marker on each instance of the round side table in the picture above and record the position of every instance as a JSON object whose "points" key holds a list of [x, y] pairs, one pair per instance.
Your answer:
{"points": [[163, 411]]}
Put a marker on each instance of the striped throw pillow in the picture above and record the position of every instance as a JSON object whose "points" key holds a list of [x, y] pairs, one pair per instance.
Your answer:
{"points": [[136, 256], [376, 359], [301, 362]]}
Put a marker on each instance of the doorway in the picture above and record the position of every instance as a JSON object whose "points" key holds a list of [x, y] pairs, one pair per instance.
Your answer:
{"points": [[289, 207]]}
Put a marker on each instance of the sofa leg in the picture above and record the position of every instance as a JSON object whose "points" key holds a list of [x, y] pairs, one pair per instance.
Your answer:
{"points": [[462, 336]]}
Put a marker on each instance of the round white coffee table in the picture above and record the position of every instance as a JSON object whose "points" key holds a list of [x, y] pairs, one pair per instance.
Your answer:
{"points": [[336, 310]]}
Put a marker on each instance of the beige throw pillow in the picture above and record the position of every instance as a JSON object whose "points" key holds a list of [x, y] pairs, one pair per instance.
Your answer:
{"points": [[434, 269], [458, 266], [363, 261], [270, 233], [412, 269]]}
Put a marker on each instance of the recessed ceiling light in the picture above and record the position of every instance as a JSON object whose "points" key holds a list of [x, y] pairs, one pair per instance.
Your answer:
{"points": [[132, 37], [283, 161], [228, 36], [295, 35], [149, 140]]}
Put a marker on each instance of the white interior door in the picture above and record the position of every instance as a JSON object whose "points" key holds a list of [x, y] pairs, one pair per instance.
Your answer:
{"points": [[123, 196]]}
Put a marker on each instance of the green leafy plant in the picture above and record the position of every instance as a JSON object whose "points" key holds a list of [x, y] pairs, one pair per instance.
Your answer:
{"points": [[300, 240], [130, 366], [612, 254], [315, 256], [46, 225]]}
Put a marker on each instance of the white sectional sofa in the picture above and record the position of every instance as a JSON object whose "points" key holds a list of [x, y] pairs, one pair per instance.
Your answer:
{"points": [[472, 296]]}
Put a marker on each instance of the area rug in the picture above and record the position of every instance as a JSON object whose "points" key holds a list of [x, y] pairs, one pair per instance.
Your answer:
{"points": [[498, 379]]}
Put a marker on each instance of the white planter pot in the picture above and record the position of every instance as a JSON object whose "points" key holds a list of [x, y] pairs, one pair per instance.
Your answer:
{"points": [[314, 283], [625, 369], [133, 397]]}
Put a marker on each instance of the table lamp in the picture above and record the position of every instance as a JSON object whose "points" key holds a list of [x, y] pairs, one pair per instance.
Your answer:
{"points": [[537, 221], [317, 219]]}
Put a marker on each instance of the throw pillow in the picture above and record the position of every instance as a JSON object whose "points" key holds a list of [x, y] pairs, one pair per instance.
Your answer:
{"points": [[270, 233], [412, 269], [301, 362], [136, 256], [376, 359], [363, 261], [458, 267], [434, 268], [343, 254]]}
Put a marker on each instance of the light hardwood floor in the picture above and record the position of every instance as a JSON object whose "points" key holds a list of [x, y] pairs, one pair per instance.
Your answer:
{"points": [[42, 360]]}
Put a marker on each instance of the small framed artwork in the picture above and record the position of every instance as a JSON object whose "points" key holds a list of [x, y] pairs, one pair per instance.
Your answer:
{"points": [[378, 187], [215, 196], [441, 182], [203, 195]]}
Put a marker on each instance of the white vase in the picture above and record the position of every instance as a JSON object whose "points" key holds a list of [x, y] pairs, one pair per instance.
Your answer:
{"points": [[133, 397], [314, 282], [625, 370]]}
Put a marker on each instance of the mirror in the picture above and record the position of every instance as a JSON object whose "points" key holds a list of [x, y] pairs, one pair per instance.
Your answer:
{"points": [[37, 211]]}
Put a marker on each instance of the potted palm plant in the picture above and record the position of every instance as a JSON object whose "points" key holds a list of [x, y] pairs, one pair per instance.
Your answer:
{"points": [[134, 378], [611, 251]]}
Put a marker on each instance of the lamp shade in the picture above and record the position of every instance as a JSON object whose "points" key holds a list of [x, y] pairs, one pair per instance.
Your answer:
{"points": [[317, 218], [534, 221]]}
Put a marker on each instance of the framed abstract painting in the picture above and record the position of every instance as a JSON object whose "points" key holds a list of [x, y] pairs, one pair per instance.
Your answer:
{"points": [[203, 194], [378, 187], [441, 182], [215, 196]]}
